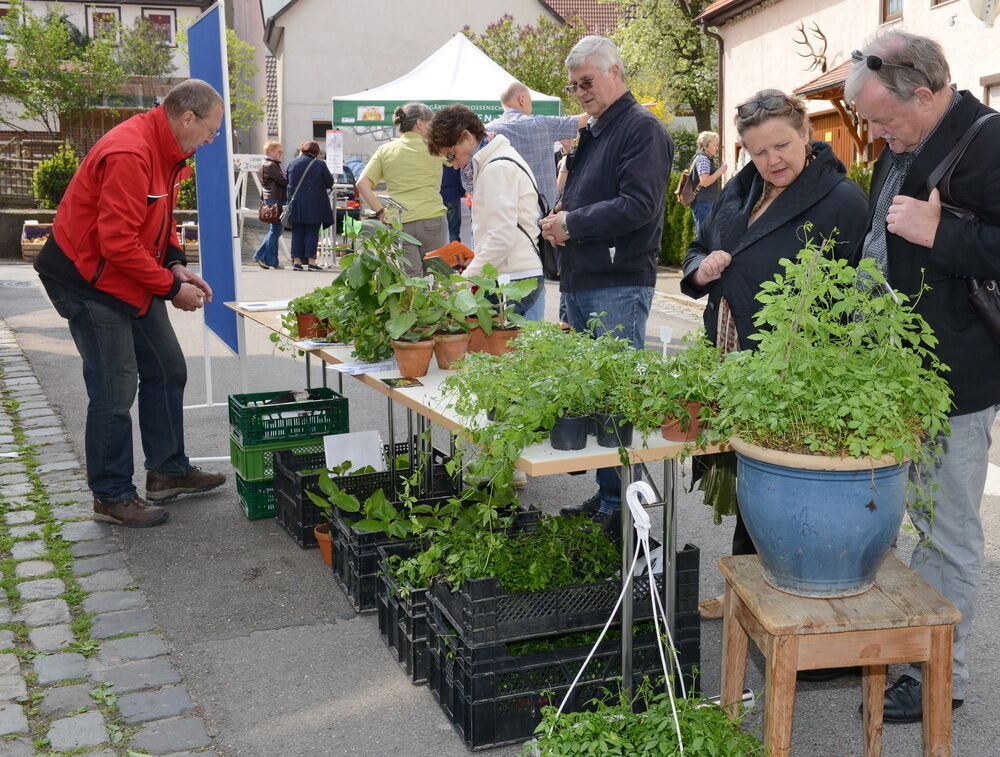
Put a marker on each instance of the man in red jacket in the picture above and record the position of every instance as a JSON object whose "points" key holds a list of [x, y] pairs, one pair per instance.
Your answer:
{"points": [[110, 265]]}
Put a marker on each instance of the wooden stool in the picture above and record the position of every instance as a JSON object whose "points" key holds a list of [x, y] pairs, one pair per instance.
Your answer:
{"points": [[900, 619]]}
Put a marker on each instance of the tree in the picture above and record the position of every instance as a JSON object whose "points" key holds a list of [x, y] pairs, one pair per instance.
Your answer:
{"points": [[55, 71], [536, 55], [665, 51], [144, 53]]}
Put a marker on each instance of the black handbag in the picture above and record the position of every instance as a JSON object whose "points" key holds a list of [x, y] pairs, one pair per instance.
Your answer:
{"points": [[984, 294], [547, 253]]}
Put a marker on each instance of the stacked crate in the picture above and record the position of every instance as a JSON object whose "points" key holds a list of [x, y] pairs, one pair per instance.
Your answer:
{"points": [[493, 691], [261, 424]]}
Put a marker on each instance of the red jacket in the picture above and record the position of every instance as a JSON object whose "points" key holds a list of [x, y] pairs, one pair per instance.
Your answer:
{"points": [[114, 230]]}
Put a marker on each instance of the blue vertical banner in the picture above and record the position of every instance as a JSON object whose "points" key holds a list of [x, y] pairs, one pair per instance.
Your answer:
{"points": [[218, 240]]}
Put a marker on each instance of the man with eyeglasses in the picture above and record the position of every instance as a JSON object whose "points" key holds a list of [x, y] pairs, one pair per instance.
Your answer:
{"points": [[611, 218], [112, 262], [900, 84]]}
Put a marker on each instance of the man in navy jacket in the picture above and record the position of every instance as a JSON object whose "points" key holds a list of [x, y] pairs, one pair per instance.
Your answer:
{"points": [[611, 216]]}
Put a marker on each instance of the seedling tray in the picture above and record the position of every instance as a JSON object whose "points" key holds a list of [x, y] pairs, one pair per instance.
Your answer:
{"points": [[253, 421]]}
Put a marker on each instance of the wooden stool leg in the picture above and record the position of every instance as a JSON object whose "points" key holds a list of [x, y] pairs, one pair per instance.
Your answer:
{"points": [[734, 655], [782, 658], [873, 701], [936, 679]]}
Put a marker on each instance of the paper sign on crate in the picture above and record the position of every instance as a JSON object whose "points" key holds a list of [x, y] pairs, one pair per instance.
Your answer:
{"points": [[362, 448]]}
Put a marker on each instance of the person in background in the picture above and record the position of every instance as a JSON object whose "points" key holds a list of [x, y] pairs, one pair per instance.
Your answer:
{"points": [[112, 263], [756, 222], [452, 195], [413, 179], [273, 180], [704, 174], [532, 137], [310, 205], [611, 218], [900, 84]]}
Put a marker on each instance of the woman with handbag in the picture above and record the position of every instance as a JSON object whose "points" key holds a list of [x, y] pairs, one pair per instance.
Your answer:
{"points": [[309, 207], [273, 181]]}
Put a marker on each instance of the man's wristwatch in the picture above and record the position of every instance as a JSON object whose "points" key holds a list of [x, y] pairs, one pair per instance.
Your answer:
{"points": [[565, 228]]}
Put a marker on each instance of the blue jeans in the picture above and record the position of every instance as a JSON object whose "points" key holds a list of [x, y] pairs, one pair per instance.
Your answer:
{"points": [[267, 253], [627, 307], [305, 240], [536, 304], [454, 218], [120, 352], [700, 211]]}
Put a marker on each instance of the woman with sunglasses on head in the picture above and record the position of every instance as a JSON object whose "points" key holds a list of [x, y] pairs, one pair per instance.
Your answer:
{"points": [[757, 220]]}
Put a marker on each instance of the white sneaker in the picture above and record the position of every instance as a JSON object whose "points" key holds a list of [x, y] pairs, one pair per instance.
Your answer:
{"points": [[520, 479]]}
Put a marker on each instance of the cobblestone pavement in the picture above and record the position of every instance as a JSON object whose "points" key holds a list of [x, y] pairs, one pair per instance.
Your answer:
{"points": [[83, 668]]}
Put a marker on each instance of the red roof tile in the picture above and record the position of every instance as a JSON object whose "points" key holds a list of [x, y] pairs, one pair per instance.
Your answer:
{"points": [[722, 10], [599, 18], [831, 79]]}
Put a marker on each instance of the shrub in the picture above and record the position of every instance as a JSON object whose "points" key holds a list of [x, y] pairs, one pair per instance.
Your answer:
{"points": [[685, 144], [52, 176], [678, 227], [861, 174], [187, 196]]}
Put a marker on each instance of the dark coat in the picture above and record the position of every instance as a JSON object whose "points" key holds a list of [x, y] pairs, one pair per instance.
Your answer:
{"points": [[312, 204], [273, 180], [961, 248], [821, 194]]}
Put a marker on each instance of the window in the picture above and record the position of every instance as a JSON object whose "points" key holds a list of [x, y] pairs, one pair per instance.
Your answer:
{"points": [[103, 22], [4, 10], [319, 131], [164, 23], [991, 90], [892, 10]]}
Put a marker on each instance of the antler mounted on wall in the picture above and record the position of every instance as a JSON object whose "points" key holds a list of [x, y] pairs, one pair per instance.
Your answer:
{"points": [[818, 57]]}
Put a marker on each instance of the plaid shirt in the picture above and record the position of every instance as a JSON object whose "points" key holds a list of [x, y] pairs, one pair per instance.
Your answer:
{"points": [[533, 137]]}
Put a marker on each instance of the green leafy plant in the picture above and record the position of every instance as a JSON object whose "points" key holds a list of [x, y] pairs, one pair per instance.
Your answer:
{"points": [[838, 370], [52, 176], [861, 174], [413, 309], [502, 294]]}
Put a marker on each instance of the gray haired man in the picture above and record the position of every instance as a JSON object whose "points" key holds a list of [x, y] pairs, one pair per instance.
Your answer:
{"points": [[899, 83]]}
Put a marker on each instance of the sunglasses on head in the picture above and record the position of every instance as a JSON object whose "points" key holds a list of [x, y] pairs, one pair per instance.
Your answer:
{"points": [[874, 63], [771, 103]]}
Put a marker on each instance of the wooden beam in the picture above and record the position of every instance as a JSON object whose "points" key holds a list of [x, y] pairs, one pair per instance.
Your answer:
{"points": [[848, 122]]}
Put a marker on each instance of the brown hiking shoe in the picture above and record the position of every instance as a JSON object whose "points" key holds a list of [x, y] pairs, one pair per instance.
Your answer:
{"points": [[160, 488], [134, 512]]}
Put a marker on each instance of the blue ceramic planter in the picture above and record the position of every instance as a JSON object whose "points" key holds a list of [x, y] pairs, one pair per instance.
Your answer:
{"points": [[819, 533]]}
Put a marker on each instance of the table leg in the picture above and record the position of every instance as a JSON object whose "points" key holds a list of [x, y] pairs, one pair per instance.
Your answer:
{"points": [[308, 370], [241, 346], [628, 549], [392, 440], [936, 678], [734, 655], [781, 659], [670, 542], [873, 703]]}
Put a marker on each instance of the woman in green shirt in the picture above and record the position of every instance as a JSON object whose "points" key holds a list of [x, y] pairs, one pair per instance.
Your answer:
{"points": [[413, 179]]}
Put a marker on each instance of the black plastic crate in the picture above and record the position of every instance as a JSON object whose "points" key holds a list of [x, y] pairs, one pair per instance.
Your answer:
{"points": [[252, 421], [409, 606], [412, 655], [289, 518], [484, 613]]}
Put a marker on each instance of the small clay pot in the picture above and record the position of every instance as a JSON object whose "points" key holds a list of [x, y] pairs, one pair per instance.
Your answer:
{"points": [[477, 339], [310, 327], [450, 347], [500, 341], [672, 431], [413, 357], [322, 533]]}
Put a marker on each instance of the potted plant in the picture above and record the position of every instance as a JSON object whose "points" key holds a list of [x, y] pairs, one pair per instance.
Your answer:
{"points": [[505, 324], [413, 312], [451, 338], [322, 530], [302, 320], [691, 384], [824, 415]]}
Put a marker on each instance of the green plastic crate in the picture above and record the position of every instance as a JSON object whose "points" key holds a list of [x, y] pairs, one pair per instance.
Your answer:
{"points": [[253, 422], [256, 463], [256, 497]]}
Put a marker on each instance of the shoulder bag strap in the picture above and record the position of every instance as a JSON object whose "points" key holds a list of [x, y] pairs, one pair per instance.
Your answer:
{"points": [[541, 200], [951, 159]]}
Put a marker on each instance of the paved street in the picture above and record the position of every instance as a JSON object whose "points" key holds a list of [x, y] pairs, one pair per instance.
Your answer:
{"points": [[217, 633]]}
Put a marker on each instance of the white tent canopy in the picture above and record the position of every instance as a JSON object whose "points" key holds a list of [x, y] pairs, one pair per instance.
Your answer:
{"points": [[458, 72]]}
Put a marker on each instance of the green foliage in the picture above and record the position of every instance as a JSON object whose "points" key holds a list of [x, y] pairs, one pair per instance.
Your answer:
{"points": [[861, 174], [52, 176], [50, 69], [535, 55], [613, 729], [187, 195], [678, 227], [143, 52], [685, 146], [510, 291], [665, 51], [837, 370]]}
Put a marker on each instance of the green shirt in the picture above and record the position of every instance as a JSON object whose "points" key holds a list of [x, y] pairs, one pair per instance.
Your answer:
{"points": [[411, 174]]}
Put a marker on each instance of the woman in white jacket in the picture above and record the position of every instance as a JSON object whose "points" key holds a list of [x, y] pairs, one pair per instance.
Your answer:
{"points": [[504, 197]]}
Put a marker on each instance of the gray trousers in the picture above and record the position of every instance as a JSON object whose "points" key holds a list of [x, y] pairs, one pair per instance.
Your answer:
{"points": [[432, 233], [950, 553]]}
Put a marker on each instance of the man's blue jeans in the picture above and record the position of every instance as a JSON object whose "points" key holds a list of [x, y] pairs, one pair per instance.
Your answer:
{"points": [[120, 352], [627, 307]]}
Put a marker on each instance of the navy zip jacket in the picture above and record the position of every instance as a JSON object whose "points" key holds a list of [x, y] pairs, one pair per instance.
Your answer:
{"points": [[615, 195]]}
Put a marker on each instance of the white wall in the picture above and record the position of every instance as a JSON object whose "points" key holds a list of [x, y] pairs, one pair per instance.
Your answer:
{"points": [[760, 51], [336, 48]]}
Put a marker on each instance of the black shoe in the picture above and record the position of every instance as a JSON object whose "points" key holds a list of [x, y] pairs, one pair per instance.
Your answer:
{"points": [[314, 267], [297, 267], [262, 264], [903, 703], [826, 674], [610, 523], [589, 507]]}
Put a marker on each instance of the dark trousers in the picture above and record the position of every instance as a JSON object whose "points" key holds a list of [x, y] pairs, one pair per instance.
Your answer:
{"points": [[305, 240], [454, 219]]}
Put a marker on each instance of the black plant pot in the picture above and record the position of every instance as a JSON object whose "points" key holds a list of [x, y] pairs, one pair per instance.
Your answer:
{"points": [[570, 433], [610, 432]]}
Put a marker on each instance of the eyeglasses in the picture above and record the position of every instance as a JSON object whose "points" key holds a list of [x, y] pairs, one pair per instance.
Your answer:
{"points": [[584, 84], [874, 63], [450, 157], [215, 134], [771, 103]]}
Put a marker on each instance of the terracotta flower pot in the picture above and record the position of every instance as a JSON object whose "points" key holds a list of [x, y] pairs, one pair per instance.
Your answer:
{"points": [[672, 430], [310, 327], [477, 339], [322, 533], [413, 357], [450, 347], [499, 340]]}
